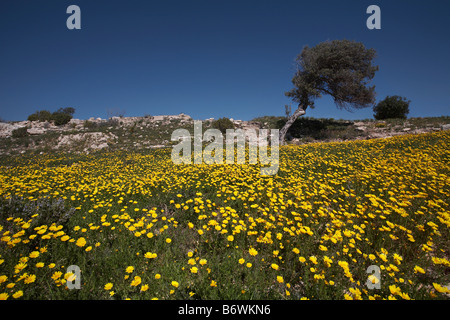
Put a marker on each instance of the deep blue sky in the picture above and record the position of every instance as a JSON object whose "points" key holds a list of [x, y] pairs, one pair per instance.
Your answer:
{"points": [[209, 58]]}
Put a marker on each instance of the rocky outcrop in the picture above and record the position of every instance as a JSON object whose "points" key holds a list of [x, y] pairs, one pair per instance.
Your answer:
{"points": [[90, 140]]}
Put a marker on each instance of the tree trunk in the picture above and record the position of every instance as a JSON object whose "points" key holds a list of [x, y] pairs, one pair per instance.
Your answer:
{"points": [[299, 112]]}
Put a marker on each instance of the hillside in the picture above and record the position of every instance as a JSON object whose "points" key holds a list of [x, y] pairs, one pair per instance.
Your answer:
{"points": [[142, 133]]}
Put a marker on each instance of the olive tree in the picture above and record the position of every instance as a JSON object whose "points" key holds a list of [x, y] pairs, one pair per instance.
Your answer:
{"points": [[339, 68]]}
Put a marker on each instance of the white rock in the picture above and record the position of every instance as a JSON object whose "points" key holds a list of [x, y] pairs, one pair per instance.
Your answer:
{"points": [[36, 131]]}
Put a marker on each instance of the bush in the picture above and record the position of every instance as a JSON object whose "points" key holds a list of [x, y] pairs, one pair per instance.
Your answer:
{"points": [[61, 118], [391, 107], [223, 124], [42, 115], [20, 132]]}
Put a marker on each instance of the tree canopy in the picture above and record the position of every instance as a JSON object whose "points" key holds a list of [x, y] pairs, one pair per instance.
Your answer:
{"points": [[339, 68]]}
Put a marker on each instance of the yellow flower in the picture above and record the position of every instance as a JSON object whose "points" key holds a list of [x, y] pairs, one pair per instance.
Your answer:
{"points": [[81, 242], [3, 278], [230, 238], [168, 240], [398, 259], [440, 288], [252, 252], [34, 254], [30, 279], [373, 279], [194, 269], [175, 284], [280, 279], [70, 276], [203, 262], [144, 288], [108, 286], [241, 261], [65, 238], [301, 259], [394, 289], [4, 296], [248, 265], [274, 266], [18, 294], [418, 269], [19, 267], [136, 281], [129, 269], [157, 276], [150, 255], [213, 283]]}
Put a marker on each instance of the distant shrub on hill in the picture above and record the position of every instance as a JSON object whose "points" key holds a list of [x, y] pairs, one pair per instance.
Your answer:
{"points": [[59, 117], [19, 132], [391, 108], [42, 115], [223, 124]]}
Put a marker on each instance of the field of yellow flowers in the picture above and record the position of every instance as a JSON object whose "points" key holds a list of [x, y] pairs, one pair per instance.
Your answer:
{"points": [[140, 227]]}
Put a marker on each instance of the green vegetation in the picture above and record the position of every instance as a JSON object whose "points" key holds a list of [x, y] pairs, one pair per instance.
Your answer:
{"points": [[59, 117], [223, 124], [391, 108], [140, 227]]}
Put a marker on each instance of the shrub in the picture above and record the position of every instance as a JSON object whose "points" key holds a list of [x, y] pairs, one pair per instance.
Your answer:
{"points": [[61, 118], [223, 124], [391, 107], [42, 115], [20, 132]]}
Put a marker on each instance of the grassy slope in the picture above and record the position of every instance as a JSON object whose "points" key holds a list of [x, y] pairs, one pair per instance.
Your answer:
{"points": [[332, 210]]}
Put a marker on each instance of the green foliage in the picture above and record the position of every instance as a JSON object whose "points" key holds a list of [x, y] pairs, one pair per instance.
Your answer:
{"points": [[20, 132], [60, 117], [392, 107], [42, 115], [339, 68], [223, 124]]}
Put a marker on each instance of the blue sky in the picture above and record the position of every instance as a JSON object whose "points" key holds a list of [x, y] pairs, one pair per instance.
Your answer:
{"points": [[209, 58]]}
